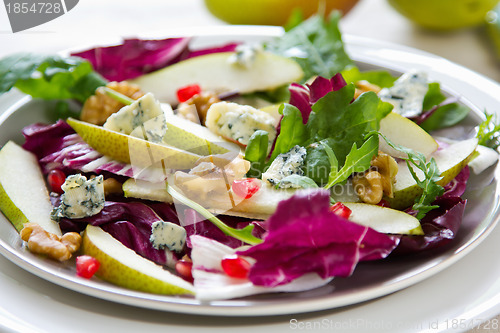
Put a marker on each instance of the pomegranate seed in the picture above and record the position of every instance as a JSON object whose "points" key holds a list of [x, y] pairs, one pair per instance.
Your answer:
{"points": [[341, 210], [185, 93], [185, 270], [246, 188], [235, 266], [86, 266], [56, 178]]}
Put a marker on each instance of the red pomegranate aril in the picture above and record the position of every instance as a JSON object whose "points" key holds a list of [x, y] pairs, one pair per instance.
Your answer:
{"points": [[56, 179], [185, 93], [246, 188], [185, 270], [341, 210], [86, 266], [235, 266]]}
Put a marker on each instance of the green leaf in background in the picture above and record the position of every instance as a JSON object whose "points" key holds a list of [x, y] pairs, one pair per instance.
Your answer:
{"points": [[445, 116], [383, 79], [49, 76], [433, 97], [256, 153], [446, 113], [316, 45]]}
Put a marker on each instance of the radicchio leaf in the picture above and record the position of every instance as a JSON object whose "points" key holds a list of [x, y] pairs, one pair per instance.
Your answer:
{"points": [[130, 223], [304, 236], [135, 57]]}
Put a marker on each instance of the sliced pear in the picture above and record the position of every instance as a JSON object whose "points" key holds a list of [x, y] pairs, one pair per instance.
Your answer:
{"points": [[216, 72], [23, 195], [128, 149], [404, 132], [384, 220], [141, 189], [195, 138], [123, 267], [450, 161]]}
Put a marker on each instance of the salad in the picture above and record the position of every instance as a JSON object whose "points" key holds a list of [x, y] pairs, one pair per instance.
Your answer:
{"points": [[235, 170]]}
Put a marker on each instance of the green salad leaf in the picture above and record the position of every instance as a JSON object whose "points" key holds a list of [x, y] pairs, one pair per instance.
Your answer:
{"points": [[446, 114], [340, 124], [488, 132], [49, 76], [293, 131], [316, 44], [381, 78], [358, 160], [256, 153], [431, 189]]}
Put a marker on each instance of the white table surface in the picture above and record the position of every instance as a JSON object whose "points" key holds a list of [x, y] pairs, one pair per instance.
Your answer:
{"points": [[92, 21]]}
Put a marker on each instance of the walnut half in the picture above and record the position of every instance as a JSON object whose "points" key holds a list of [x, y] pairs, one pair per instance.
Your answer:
{"points": [[378, 181], [49, 244]]}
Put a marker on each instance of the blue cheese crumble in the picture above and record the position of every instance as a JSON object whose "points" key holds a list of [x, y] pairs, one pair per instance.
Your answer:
{"points": [[245, 55], [407, 94], [81, 197], [285, 165], [239, 122], [167, 235], [134, 115]]}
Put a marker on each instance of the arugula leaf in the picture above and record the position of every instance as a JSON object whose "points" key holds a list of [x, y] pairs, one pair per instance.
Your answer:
{"points": [[293, 131], [244, 235], [431, 173], [488, 132], [49, 76], [256, 153], [334, 117], [358, 160], [316, 45]]}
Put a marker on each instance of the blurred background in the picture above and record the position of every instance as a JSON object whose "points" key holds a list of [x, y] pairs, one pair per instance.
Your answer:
{"points": [[454, 29]]}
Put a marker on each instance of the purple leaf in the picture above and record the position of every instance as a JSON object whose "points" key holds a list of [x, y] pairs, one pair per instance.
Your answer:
{"points": [[304, 236]]}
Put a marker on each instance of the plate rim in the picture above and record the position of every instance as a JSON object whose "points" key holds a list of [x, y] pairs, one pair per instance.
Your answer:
{"points": [[237, 307]]}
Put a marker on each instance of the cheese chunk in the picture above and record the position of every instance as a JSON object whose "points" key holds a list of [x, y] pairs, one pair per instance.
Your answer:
{"points": [[81, 197], [136, 114], [407, 94], [167, 235], [239, 122], [285, 165]]}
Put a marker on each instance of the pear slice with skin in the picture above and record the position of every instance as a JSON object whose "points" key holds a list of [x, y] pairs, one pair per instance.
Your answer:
{"points": [[218, 73], [404, 132], [123, 267], [23, 195], [185, 134], [141, 189], [128, 149], [450, 160], [383, 219]]}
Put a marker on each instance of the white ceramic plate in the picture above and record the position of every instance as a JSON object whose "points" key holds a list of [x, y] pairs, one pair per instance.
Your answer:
{"points": [[370, 280]]}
